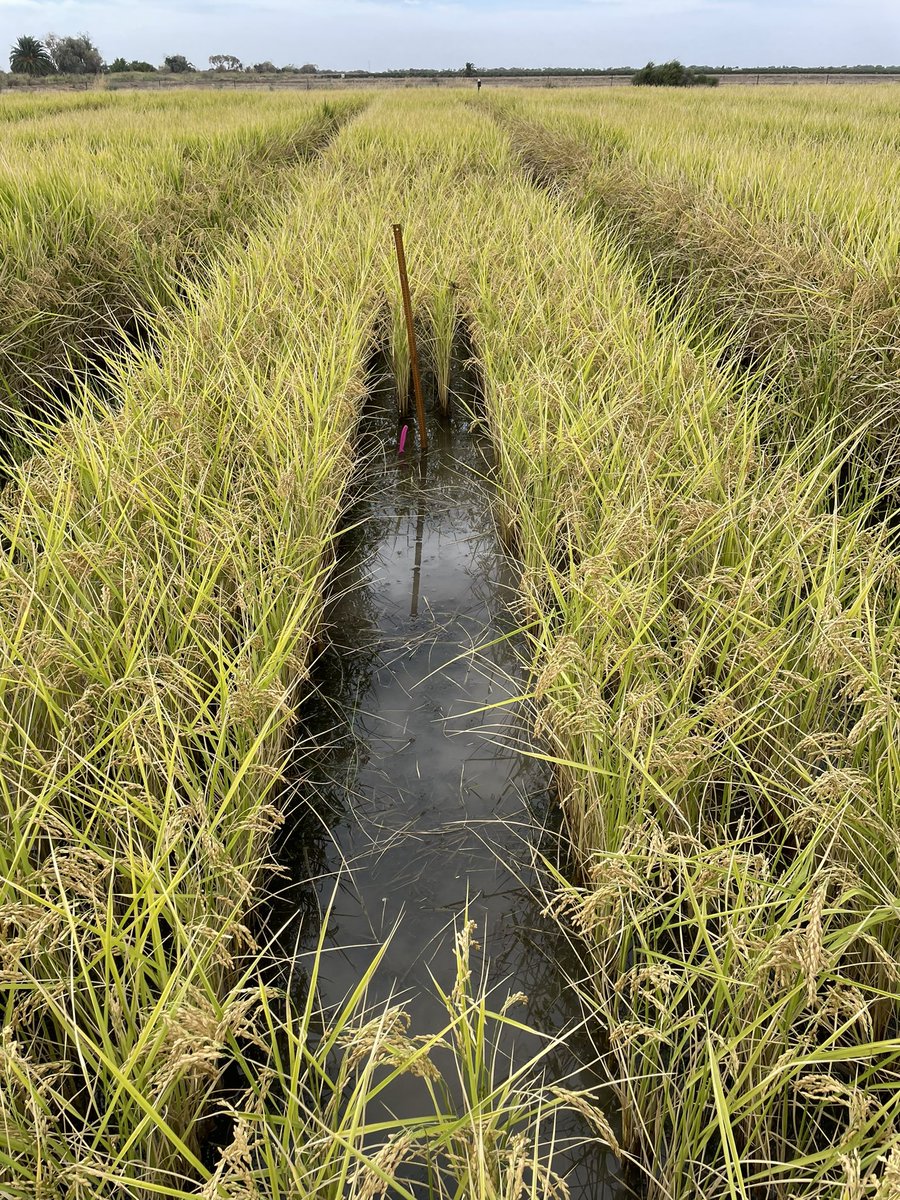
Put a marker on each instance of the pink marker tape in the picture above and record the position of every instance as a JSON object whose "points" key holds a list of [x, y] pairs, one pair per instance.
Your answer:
{"points": [[403, 434]]}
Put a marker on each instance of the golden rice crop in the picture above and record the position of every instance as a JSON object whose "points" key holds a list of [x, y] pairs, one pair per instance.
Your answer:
{"points": [[777, 211], [715, 660], [162, 575], [106, 208]]}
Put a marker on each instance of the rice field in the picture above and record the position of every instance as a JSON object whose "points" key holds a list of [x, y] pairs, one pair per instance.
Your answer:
{"points": [[778, 215], [683, 312]]}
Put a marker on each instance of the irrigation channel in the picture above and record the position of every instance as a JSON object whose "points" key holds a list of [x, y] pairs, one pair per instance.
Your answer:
{"points": [[417, 803]]}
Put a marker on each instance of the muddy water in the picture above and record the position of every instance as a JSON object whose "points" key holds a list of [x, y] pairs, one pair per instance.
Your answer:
{"points": [[418, 804]]}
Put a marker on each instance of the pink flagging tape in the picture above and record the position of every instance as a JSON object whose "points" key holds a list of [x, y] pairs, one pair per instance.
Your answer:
{"points": [[403, 434]]}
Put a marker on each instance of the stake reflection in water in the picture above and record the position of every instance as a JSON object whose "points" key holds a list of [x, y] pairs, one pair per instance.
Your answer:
{"points": [[420, 536]]}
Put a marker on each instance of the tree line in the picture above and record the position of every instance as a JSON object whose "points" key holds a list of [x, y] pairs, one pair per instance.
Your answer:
{"points": [[78, 55]]}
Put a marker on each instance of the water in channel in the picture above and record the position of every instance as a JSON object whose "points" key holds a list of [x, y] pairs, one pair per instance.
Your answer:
{"points": [[418, 802]]}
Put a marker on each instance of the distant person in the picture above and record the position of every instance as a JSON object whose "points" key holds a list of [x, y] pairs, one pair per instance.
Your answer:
{"points": [[479, 84]]}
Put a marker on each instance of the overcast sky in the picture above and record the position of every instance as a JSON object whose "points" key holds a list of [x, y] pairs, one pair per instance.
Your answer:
{"points": [[379, 34]]}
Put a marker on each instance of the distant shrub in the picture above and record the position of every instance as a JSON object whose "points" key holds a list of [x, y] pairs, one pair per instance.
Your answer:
{"points": [[178, 63], [119, 66], [671, 74]]}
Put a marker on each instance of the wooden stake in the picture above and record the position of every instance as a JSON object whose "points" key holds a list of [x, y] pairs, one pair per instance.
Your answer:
{"points": [[411, 334]]}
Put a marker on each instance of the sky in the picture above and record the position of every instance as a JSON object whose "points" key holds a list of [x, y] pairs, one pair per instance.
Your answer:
{"points": [[382, 34]]}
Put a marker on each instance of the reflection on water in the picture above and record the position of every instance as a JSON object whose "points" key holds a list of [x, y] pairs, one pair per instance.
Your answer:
{"points": [[420, 803]]}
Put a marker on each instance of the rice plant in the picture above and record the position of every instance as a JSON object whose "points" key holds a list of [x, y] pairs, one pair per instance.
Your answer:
{"points": [[713, 646]]}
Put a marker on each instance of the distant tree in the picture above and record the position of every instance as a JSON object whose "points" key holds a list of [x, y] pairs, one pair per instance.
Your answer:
{"points": [[265, 68], [469, 70], [118, 65], [30, 57], [308, 69], [74, 55], [671, 74], [177, 63], [138, 64], [225, 62]]}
